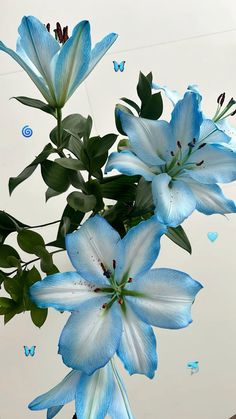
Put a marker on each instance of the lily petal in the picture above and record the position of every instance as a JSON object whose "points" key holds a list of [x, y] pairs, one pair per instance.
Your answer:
{"points": [[127, 163], [140, 248], [172, 95], [38, 81], [62, 393], [119, 407], [91, 336], [72, 62], [174, 200], [93, 248], [137, 348], [53, 411], [94, 393], [211, 133], [166, 297], [63, 291], [152, 141], [219, 164], [97, 53], [210, 198], [186, 119]]}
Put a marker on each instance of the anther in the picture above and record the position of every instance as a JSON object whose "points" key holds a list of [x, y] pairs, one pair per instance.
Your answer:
{"points": [[200, 163], [59, 32], [233, 113], [105, 271], [97, 289], [130, 279], [120, 301], [202, 145], [172, 153], [104, 305], [221, 99], [178, 144], [48, 27], [114, 264], [65, 34], [178, 163]]}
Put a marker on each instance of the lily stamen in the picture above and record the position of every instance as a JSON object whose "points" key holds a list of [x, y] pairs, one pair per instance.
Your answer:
{"points": [[200, 163], [202, 145]]}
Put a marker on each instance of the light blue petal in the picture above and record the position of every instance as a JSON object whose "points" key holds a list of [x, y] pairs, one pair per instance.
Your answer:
{"points": [[38, 81], [127, 163], [210, 133], [166, 297], [186, 119], [53, 411], [172, 95], [152, 141], [62, 393], [93, 248], [137, 348], [119, 407], [230, 131], [72, 61], [219, 164], [63, 291], [97, 53], [210, 198], [94, 394], [174, 200], [39, 45], [91, 336], [140, 248]]}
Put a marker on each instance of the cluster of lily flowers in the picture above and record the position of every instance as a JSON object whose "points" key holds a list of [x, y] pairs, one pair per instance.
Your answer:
{"points": [[113, 294]]}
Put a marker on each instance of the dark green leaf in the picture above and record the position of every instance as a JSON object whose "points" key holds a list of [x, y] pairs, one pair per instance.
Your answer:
{"points": [[8, 224], [149, 77], [119, 187], [6, 252], [77, 180], [55, 176], [16, 310], [119, 108], [35, 103], [14, 286], [74, 144], [178, 236], [153, 108], [38, 316], [97, 146], [46, 261], [123, 144], [69, 163], [131, 103], [65, 227], [81, 202], [50, 193], [75, 123], [88, 129], [2, 277], [117, 214], [143, 199], [29, 241], [6, 305], [144, 89]]}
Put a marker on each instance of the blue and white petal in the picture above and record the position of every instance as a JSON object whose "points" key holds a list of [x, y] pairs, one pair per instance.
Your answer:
{"points": [[140, 248], [72, 61], [172, 95], [211, 133], [127, 163], [152, 141], [94, 393], [119, 407], [63, 291], [218, 164], [186, 119], [62, 393], [166, 297], [53, 411], [91, 336], [174, 200], [92, 248], [230, 131], [137, 348], [210, 198]]}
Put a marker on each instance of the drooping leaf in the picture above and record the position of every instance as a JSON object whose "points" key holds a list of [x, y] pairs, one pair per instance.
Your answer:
{"points": [[120, 188], [131, 103], [81, 202], [55, 176], [178, 236], [6, 253], [8, 224], [69, 163], [38, 316], [35, 103], [153, 108], [50, 193], [144, 89], [29, 241], [75, 123], [6, 305], [119, 108]]}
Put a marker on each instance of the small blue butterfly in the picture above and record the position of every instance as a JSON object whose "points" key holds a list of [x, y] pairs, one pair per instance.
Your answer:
{"points": [[29, 351], [212, 235], [120, 66], [193, 366]]}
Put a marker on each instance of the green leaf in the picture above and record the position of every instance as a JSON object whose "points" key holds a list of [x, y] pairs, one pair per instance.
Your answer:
{"points": [[15, 287], [143, 199], [6, 252], [149, 77], [178, 236], [74, 144], [29, 241], [119, 187], [153, 108], [69, 163], [119, 108], [87, 129], [97, 146], [50, 193], [131, 103], [8, 224], [46, 261], [55, 176], [2, 277], [75, 123], [144, 89], [38, 316], [123, 144], [81, 202], [6, 305], [77, 180], [27, 172], [35, 103]]}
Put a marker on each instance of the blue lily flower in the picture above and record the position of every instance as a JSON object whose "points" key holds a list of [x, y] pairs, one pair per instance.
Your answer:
{"points": [[56, 70], [97, 395], [114, 297], [184, 159]]}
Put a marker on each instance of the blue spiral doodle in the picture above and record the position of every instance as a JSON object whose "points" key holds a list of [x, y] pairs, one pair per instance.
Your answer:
{"points": [[27, 131]]}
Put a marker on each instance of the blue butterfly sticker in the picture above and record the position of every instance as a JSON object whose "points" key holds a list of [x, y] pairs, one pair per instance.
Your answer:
{"points": [[120, 66], [29, 351], [193, 366]]}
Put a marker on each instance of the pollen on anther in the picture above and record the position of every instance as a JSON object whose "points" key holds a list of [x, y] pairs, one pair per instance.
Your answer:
{"points": [[120, 301], [130, 280], [179, 144], [200, 163], [172, 153], [114, 264], [104, 305], [97, 289]]}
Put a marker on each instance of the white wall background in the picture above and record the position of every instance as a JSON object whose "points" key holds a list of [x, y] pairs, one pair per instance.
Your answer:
{"points": [[182, 42]]}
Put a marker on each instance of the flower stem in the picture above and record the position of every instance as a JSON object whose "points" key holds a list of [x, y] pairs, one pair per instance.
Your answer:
{"points": [[59, 127], [34, 260], [43, 225]]}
